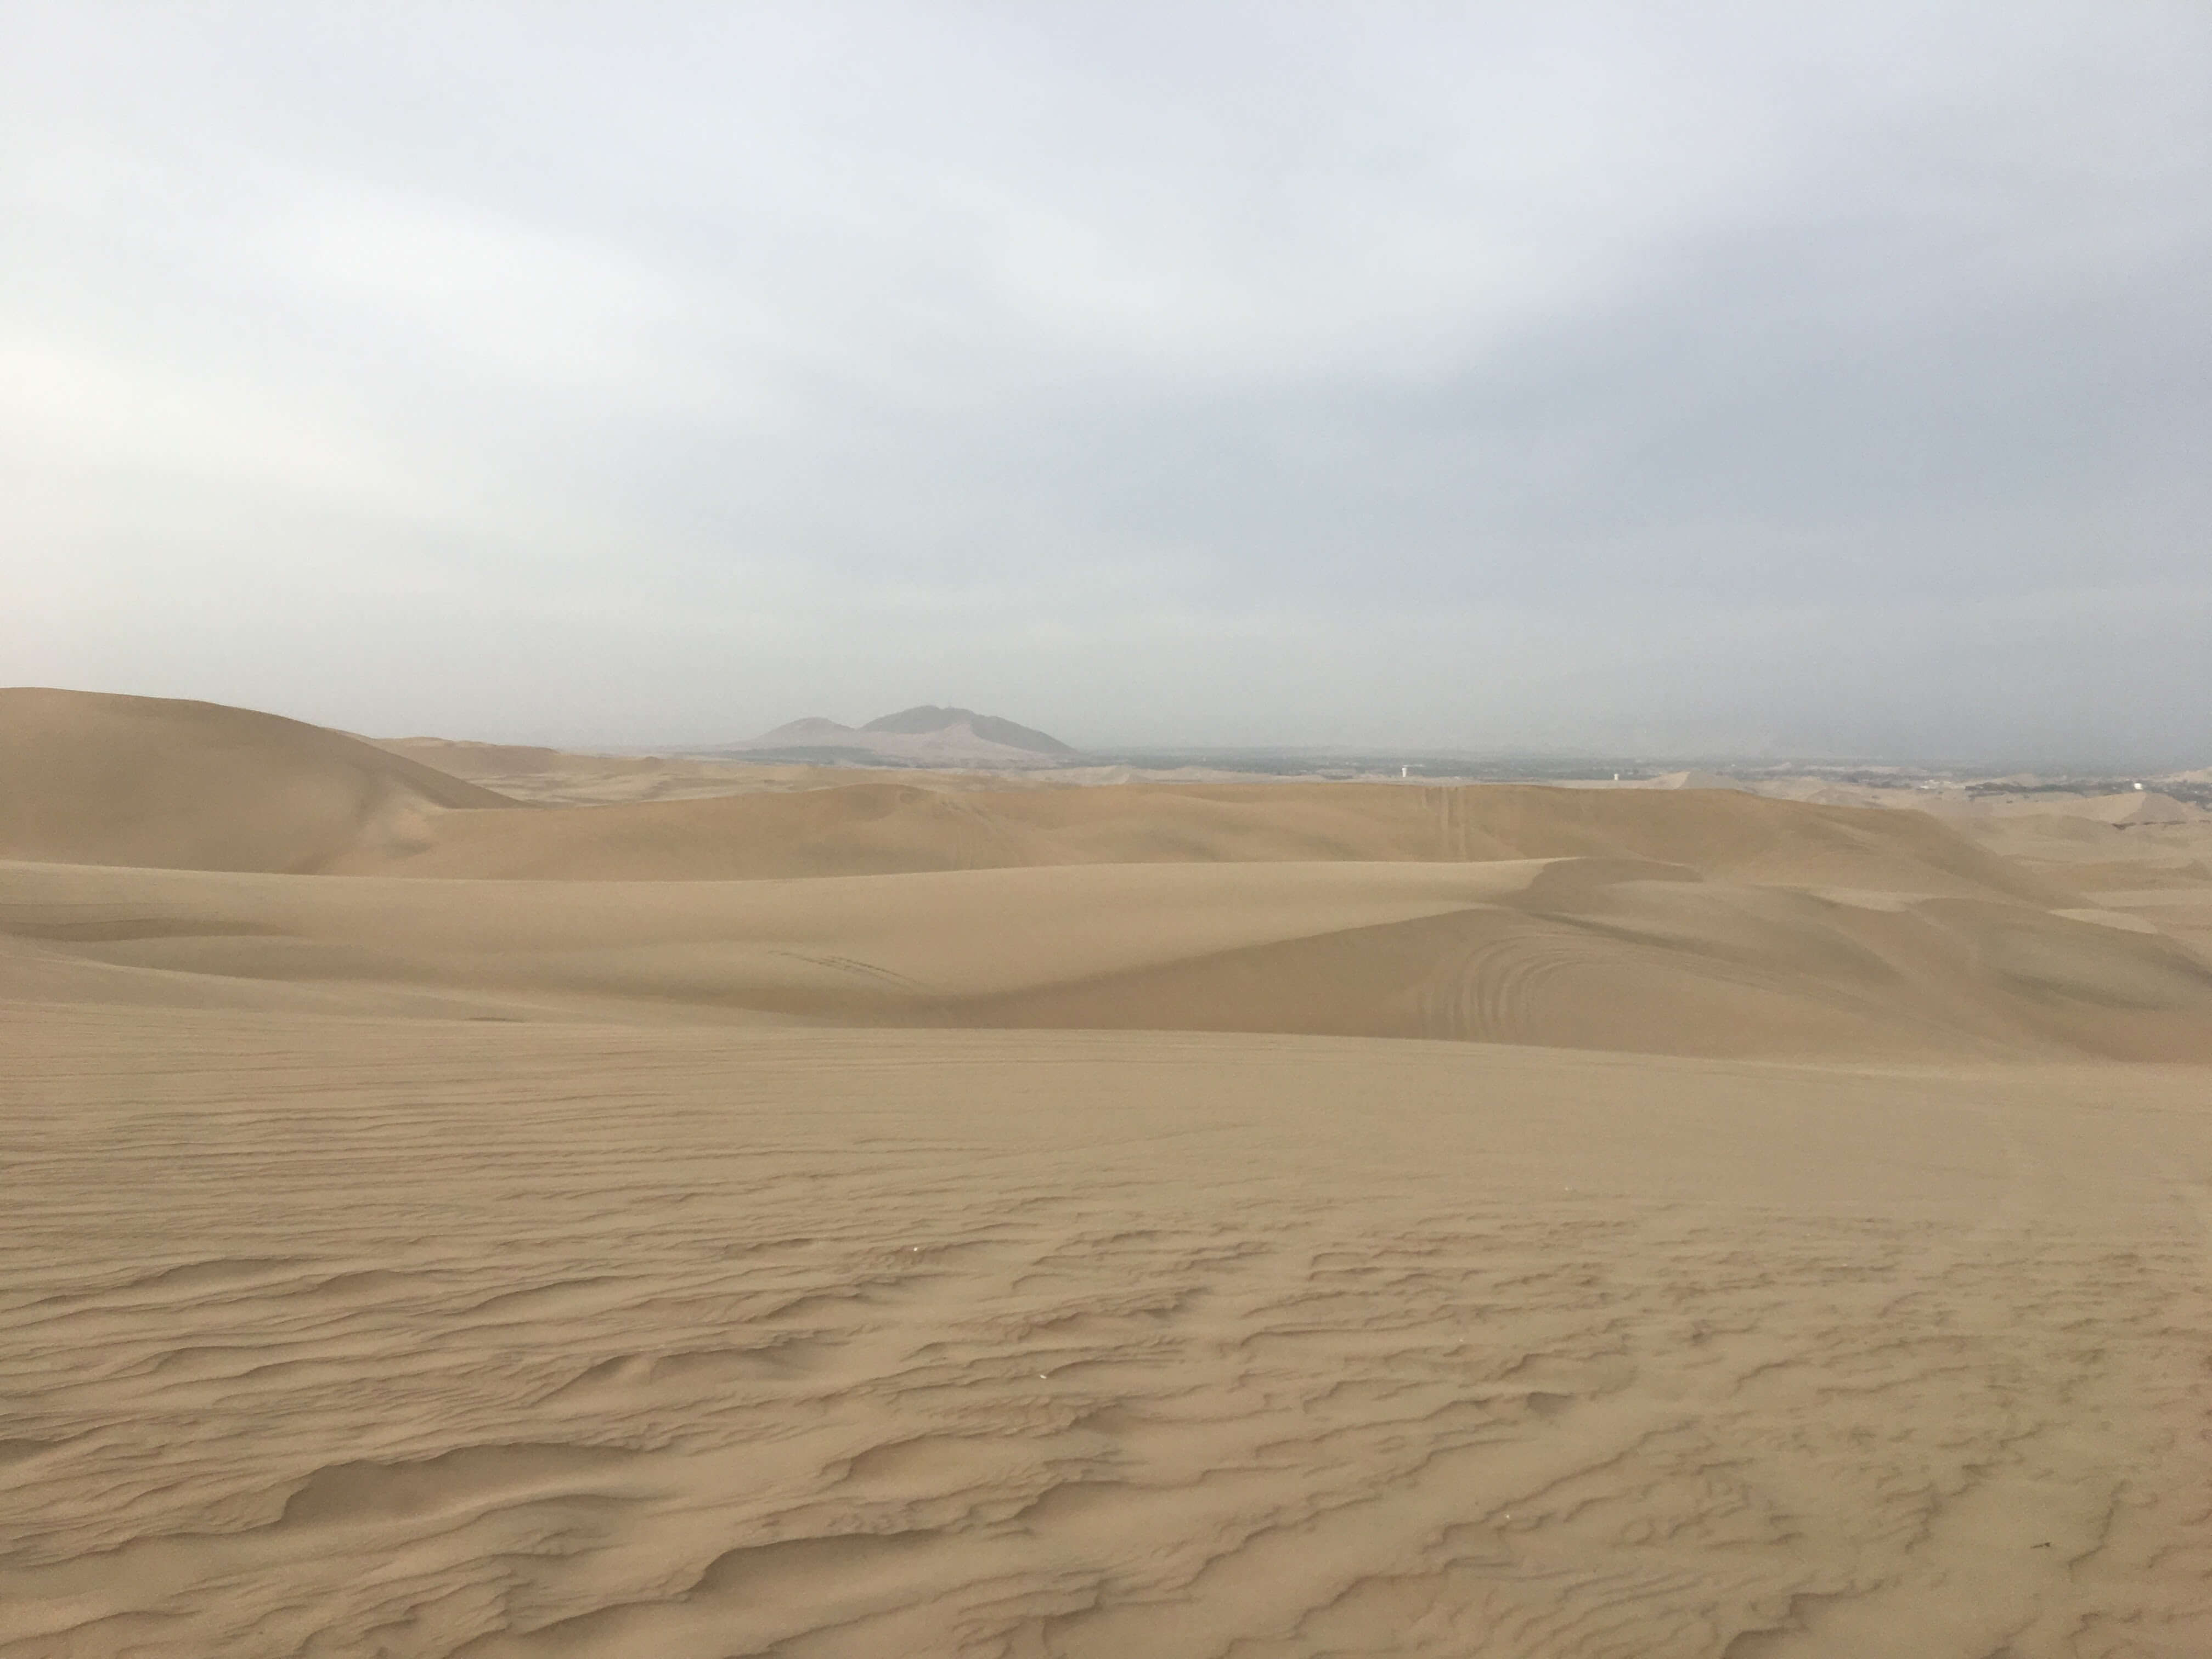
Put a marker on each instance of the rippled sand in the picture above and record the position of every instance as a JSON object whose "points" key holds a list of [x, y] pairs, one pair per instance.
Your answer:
{"points": [[345, 1336]]}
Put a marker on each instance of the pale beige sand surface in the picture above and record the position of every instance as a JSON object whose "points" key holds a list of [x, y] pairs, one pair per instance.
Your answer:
{"points": [[554, 777], [919, 1218], [348, 1336], [109, 780], [1590, 952]]}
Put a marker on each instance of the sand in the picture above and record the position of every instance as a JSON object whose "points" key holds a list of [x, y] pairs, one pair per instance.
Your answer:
{"points": [[1224, 1220]]}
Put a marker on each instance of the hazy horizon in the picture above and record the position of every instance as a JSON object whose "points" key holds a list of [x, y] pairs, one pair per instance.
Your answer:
{"points": [[1660, 756], [1752, 381]]}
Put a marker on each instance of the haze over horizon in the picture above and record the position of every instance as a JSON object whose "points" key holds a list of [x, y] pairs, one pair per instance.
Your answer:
{"points": [[1752, 381]]}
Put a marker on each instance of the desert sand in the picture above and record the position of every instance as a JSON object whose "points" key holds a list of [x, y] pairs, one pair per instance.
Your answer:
{"points": [[937, 1216]]}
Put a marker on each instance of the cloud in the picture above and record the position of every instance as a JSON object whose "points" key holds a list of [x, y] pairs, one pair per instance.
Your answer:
{"points": [[1243, 374]]}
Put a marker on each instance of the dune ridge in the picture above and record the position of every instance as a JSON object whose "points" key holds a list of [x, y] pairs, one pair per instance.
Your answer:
{"points": [[89, 778], [1570, 952], [893, 828], [1678, 922], [99, 780]]}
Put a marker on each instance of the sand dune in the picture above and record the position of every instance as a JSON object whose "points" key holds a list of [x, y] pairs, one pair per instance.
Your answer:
{"points": [[130, 780], [1687, 922], [919, 1218], [554, 777], [887, 827], [2132, 807], [1570, 952], [106, 780]]}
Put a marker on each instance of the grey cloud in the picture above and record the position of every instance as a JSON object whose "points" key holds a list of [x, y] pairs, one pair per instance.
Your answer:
{"points": [[1572, 376]]}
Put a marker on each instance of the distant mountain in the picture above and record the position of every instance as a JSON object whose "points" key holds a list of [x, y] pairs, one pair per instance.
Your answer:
{"points": [[927, 736], [812, 732], [991, 728]]}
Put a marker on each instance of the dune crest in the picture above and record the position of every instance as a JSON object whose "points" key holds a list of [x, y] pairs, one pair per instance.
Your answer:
{"points": [[99, 780], [88, 778], [1673, 921]]}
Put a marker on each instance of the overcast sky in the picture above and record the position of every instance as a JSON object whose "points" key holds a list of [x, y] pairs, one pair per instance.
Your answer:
{"points": [[1805, 379]]}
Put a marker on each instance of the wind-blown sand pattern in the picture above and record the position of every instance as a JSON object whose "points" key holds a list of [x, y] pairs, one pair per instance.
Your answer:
{"points": [[574, 1341], [853, 1265]]}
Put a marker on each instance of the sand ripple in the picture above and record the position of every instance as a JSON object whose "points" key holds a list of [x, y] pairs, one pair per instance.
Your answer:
{"points": [[349, 1337]]}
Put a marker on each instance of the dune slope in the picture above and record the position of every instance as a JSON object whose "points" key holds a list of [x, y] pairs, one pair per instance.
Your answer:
{"points": [[883, 828], [1569, 952], [87, 778]]}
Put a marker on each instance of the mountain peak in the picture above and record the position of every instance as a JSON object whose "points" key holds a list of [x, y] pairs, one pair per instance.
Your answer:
{"points": [[927, 718], [928, 734], [924, 717]]}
